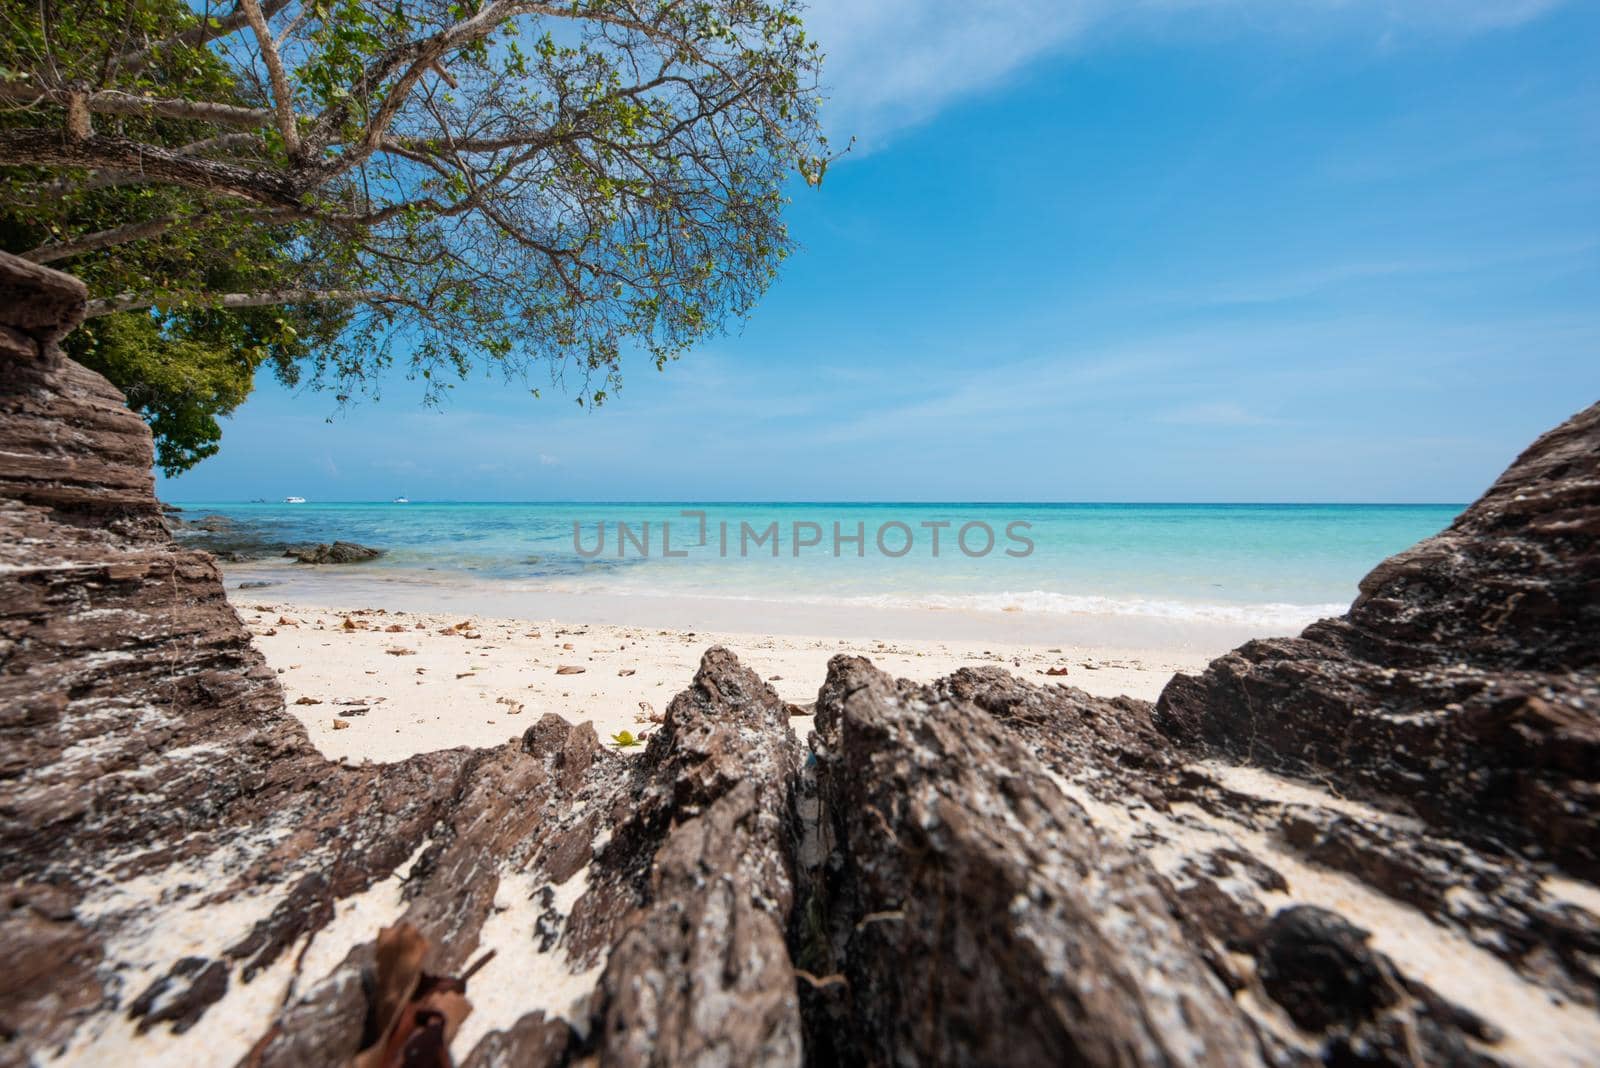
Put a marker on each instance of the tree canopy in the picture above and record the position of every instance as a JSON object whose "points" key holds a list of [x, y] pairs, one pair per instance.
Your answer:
{"points": [[443, 183]]}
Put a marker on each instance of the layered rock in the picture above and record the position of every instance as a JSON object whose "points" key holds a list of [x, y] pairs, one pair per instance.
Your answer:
{"points": [[1465, 680], [1371, 844], [954, 848], [187, 877]]}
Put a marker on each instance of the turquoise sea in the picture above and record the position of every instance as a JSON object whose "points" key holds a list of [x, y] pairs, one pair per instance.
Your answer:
{"points": [[1268, 566]]}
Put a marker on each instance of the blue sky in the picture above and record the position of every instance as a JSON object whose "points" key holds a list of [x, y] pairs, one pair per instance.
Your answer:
{"points": [[1214, 250]]}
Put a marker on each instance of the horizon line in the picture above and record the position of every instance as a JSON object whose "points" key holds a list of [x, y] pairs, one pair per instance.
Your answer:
{"points": [[861, 503]]}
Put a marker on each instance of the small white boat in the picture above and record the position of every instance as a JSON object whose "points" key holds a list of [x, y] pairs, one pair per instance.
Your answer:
{"points": [[402, 500], [294, 500]]}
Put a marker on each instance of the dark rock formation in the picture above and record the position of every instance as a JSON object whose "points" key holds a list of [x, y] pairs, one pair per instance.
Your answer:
{"points": [[340, 552], [700, 873], [1049, 861], [226, 539], [1373, 844], [954, 849], [179, 860], [1464, 681]]}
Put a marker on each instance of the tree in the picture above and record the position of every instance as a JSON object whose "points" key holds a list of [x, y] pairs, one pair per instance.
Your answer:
{"points": [[468, 182], [183, 368]]}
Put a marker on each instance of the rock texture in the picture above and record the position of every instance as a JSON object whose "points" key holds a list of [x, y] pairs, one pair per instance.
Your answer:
{"points": [[184, 872], [1465, 679], [1373, 844], [339, 552], [952, 847]]}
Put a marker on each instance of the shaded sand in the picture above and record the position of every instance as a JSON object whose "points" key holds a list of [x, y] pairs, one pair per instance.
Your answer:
{"points": [[410, 682]]}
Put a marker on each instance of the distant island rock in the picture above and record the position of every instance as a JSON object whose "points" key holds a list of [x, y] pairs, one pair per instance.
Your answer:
{"points": [[339, 552]]}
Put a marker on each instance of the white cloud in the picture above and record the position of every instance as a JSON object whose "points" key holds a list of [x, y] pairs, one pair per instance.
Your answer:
{"points": [[895, 63]]}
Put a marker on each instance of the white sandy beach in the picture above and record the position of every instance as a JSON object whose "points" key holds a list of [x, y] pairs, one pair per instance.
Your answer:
{"points": [[391, 683]]}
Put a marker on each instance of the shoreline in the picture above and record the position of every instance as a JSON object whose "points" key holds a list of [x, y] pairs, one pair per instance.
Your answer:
{"points": [[1016, 619], [404, 681]]}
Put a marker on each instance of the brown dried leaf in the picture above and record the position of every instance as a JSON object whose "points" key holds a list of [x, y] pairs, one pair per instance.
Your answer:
{"points": [[398, 967], [413, 1016]]}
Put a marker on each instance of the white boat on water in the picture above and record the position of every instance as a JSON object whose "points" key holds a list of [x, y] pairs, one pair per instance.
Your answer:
{"points": [[402, 500], [294, 500]]}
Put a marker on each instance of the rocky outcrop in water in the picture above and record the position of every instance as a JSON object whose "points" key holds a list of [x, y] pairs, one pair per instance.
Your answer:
{"points": [[339, 552], [1373, 844], [252, 541]]}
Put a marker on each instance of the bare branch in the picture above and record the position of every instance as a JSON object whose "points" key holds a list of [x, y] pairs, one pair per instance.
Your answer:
{"points": [[112, 102], [220, 143], [136, 301], [79, 126], [423, 55], [640, 26], [60, 187], [196, 36], [109, 179], [47, 148], [281, 94]]}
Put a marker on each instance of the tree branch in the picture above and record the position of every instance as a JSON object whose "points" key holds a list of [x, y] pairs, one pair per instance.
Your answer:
{"points": [[47, 148], [109, 179], [136, 301], [60, 187], [655, 33], [417, 58], [281, 95], [112, 102], [221, 141], [196, 36], [60, 250], [139, 231]]}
